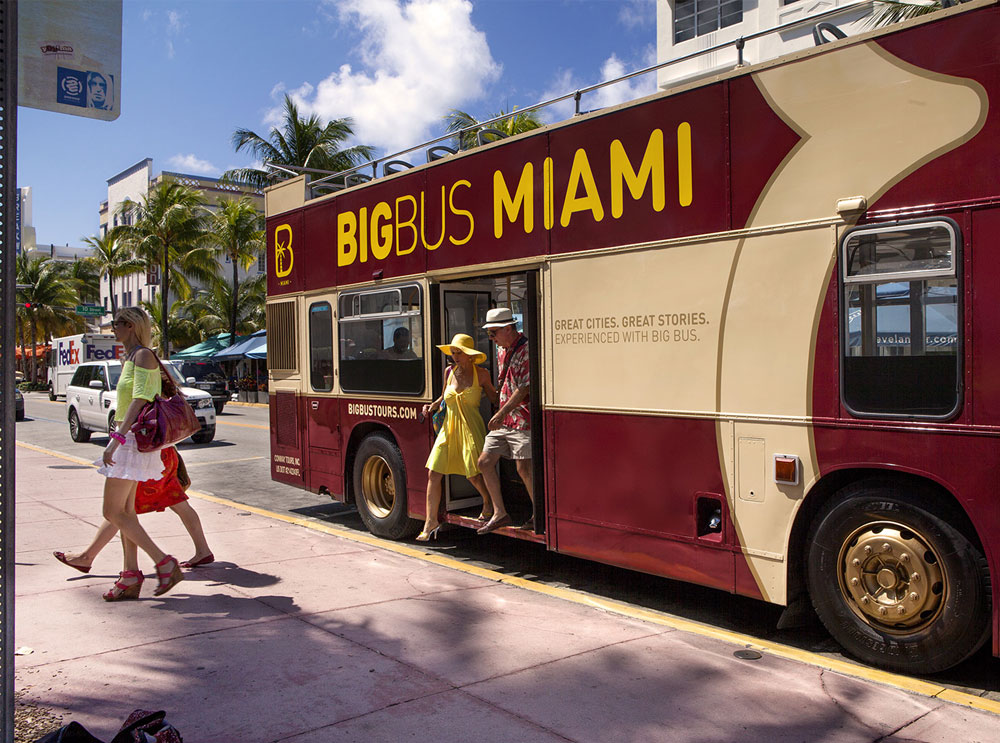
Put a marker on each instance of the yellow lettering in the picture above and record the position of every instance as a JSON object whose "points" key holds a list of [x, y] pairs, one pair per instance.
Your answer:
{"points": [[410, 223], [651, 169], [548, 196], [347, 243], [590, 201], [459, 212], [363, 235], [423, 227], [523, 199], [685, 185], [381, 247]]}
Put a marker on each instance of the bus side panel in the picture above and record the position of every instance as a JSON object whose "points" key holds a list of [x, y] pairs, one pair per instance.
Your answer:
{"points": [[626, 493], [693, 130], [284, 239], [316, 254], [287, 441], [326, 466], [969, 50], [377, 229], [478, 228], [399, 421]]}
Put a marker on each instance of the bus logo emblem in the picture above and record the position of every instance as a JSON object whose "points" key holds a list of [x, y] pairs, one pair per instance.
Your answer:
{"points": [[283, 251]]}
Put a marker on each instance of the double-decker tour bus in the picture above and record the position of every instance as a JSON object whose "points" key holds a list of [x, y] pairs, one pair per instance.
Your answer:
{"points": [[762, 316]]}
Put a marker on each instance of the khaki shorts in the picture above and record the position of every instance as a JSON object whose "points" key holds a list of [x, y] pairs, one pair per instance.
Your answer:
{"points": [[508, 442]]}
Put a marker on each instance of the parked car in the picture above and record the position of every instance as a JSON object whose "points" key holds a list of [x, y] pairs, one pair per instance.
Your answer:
{"points": [[18, 404], [207, 376], [90, 401]]}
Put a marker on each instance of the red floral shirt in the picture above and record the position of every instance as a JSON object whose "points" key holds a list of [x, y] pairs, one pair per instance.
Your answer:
{"points": [[517, 376]]}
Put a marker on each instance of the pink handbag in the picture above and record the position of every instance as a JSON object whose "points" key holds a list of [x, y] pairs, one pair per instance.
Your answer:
{"points": [[164, 421]]}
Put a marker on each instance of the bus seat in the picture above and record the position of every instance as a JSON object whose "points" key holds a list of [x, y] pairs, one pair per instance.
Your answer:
{"points": [[355, 178], [436, 153], [395, 166], [822, 28], [489, 132]]}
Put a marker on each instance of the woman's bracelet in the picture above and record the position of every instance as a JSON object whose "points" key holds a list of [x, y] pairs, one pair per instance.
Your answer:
{"points": [[118, 437]]}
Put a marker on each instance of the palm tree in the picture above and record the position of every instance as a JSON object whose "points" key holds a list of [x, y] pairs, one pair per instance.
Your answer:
{"points": [[167, 229], [220, 308], [300, 142], [887, 12], [516, 123], [51, 296], [237, 232], [113, 258]]}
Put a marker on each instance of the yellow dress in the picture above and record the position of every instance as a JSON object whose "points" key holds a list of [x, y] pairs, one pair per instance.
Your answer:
{"points": [[460, 440]]}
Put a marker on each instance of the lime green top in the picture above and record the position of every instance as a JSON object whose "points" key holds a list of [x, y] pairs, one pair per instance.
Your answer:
{"points": [[136, 382]]}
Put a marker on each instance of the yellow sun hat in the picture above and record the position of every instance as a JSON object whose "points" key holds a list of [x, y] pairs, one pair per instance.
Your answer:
{"points": [[468, 346]]}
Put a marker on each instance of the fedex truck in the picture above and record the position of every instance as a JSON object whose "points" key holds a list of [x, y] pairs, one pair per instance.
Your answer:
{"points": [[72, 350]]}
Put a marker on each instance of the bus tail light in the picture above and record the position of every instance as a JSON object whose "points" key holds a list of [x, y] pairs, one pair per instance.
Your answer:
{"points": [[786, 469]]}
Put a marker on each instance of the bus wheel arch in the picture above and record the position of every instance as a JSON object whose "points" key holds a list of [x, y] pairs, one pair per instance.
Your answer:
{"points": [[377, 475], [895, 571]]}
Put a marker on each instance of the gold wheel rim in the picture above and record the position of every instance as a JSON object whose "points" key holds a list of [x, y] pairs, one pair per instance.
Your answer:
{"points": [[378, 487], [892, 577]]}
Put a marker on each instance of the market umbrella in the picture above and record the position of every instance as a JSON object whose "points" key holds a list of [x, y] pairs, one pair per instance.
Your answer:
{"points": [[205, 349], [253, 347]]}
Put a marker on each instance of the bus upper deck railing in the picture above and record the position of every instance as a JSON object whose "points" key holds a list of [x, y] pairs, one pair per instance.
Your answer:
{"points": [[435, 150]]}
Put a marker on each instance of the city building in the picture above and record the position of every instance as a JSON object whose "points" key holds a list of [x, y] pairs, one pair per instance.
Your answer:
{"points": [[686, 27], [131, 185], [24, 229]]}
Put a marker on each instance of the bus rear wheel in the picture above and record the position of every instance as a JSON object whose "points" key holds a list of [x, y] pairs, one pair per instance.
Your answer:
{"points": [[380, 489], [895, 583]]}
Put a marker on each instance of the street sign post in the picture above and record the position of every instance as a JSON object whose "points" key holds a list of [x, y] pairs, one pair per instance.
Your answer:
{"points": [[90, 310]]}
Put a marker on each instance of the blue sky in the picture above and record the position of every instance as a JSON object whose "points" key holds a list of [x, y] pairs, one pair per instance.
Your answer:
{"points": [[195, 70]]}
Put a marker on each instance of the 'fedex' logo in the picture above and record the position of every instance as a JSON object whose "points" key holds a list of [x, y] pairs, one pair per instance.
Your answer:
{"points": [[104, 354], [69, 354]]}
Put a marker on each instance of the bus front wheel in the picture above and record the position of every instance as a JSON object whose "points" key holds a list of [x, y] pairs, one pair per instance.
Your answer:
{"points": [[380, 489], [895, 583]]}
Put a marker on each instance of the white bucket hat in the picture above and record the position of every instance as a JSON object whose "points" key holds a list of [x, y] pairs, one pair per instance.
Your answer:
{"points": [[499, 317]]}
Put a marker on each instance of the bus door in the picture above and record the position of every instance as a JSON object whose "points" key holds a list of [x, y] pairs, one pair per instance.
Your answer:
{"points": [[464, 307], [322, 412]]}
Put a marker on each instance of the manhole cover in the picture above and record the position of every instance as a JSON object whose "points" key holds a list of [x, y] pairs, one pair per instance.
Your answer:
{"points": [[748, 655]]}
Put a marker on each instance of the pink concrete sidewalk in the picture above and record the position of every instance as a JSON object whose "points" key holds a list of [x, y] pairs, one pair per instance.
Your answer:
{"points": [[298, 635]]}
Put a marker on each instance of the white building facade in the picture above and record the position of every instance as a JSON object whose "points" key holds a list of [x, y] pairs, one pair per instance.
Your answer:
{"points": [[132, 184], [686, 27]]}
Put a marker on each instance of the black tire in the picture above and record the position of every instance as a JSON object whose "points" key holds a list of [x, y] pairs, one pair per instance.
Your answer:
{"points": [[111, 421], [203, 437], [19, 415], [52, 395], [380, 489], [219, 406], [895, 582], [77, 432]]}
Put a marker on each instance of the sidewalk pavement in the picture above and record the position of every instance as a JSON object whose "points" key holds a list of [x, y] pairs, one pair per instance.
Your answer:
{"points": [[298, 634]]}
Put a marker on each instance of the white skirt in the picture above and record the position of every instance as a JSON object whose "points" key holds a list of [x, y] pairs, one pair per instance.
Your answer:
{"points": [[132, 464]]}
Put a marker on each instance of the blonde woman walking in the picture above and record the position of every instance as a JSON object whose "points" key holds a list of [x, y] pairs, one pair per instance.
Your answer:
{"points": [[125, 466]]}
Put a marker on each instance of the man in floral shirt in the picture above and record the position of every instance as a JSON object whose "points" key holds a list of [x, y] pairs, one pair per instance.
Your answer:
{"points": [[510, 428]]}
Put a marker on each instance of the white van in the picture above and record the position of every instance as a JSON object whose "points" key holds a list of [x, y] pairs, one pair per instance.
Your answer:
{"points": [[91, 397], [70, 351]]}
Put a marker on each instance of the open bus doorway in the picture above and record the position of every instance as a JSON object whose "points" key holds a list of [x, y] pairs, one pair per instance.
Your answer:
{"points": [[463, 306]]}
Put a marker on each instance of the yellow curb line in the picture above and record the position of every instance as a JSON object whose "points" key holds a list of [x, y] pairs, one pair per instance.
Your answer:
{"points": [[243, 425], [917, 686]]}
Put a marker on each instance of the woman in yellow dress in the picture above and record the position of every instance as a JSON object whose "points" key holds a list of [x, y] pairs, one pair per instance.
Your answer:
{"points": [[460, 440]]}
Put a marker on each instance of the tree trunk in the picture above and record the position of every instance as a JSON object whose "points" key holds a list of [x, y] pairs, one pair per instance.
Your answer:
{"points": [[34, 358], [236, 303], [165, 305], [111, 287]]}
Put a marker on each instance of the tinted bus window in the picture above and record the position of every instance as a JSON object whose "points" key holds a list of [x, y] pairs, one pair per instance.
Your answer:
{"points": [[381, 341], [901, 337], [321, 346]]}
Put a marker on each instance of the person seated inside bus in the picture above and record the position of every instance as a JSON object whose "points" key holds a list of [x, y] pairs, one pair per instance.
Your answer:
{"points": [[400, 349]]}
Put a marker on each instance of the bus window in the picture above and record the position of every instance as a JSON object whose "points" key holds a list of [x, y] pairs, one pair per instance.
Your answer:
{"points": [[321, 346], [382, 341], [901, 335]]}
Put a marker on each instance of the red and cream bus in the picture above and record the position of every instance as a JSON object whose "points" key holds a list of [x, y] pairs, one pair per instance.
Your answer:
{"points": [[763, 325]]}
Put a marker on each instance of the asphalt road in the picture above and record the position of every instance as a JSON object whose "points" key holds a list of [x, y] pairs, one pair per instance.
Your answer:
{"points": [[235, 466]]}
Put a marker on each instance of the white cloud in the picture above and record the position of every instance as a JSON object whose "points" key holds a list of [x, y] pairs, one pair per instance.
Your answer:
{"points": [[637, 13], [418, 58], [611, 95], [193, 164], [174, 22]]}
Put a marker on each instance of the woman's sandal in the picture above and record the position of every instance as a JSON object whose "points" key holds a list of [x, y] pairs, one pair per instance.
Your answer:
{"points": [[167, 575], [192, 563], [61, 557], [122, 591]]}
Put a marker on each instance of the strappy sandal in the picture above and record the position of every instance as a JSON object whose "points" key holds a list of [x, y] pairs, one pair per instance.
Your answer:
{"points": [[61, 557], [192, 563], [167, 575], [122, 591]]}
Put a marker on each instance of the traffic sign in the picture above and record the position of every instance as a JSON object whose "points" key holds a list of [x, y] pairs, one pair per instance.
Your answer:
{"points": [[90, 310]]}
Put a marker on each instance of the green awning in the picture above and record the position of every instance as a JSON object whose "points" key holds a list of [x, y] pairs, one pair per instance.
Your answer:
{"points": [[206, 349]]}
